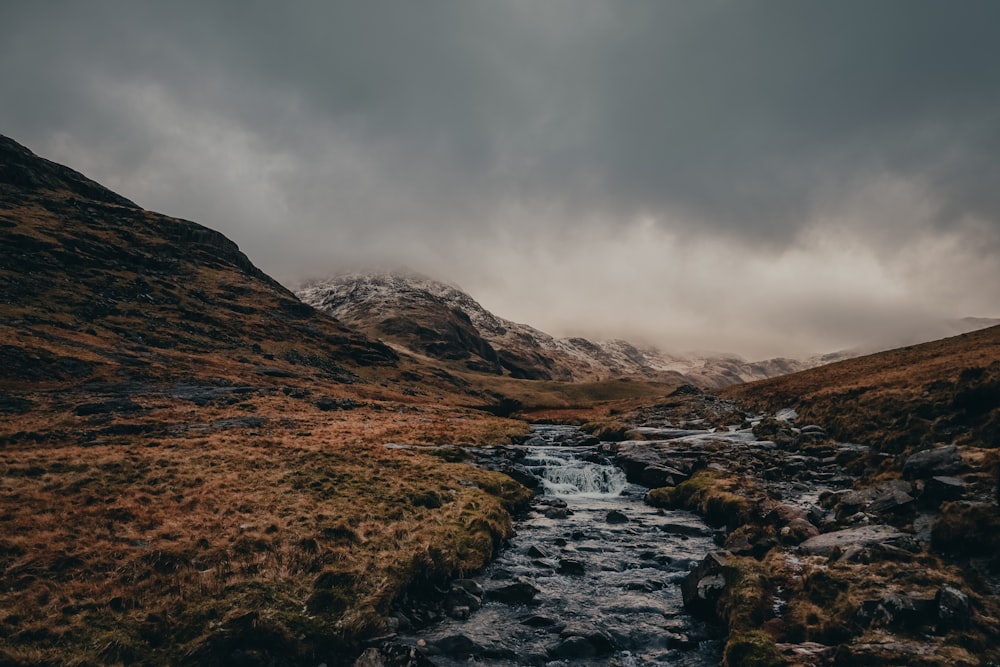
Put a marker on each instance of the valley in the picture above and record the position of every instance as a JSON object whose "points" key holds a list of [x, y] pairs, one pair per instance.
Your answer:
{"points": [[198, 467]]}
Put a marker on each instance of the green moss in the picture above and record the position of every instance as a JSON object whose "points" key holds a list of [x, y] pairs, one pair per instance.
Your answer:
{"points": [[708, 493], [751, 649]]}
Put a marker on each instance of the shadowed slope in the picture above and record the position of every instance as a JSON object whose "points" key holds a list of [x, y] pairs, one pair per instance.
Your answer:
{"points": [[193, 466]]}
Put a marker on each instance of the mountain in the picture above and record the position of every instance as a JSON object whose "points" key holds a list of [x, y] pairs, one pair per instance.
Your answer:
{"points": [[899, 400], [97, 289], [193, 466], [432, 318]]}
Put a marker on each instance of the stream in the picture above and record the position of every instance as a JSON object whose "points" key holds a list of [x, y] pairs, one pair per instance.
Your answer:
{"points": [[592, 576]]}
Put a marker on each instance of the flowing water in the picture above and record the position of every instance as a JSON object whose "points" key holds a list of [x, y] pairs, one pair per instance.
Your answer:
{"points": [[607, 568]]}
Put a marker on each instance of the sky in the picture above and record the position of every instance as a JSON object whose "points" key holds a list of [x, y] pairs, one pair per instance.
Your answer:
{"points": [[776, 177]]}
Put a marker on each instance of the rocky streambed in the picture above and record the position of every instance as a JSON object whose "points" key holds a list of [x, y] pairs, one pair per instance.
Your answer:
{"points": [[715, 536], [593, 576]]}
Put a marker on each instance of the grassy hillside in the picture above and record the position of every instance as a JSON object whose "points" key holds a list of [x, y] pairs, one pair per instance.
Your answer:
{"points": [[192, 462], [902, 401]]}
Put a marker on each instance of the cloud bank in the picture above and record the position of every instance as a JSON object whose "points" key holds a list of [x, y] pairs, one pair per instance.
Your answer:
{"points": [[765, 178]]}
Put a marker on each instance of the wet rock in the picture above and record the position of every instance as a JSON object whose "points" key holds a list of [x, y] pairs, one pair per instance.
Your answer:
{"points": [[573, 648], [656, 476], [519, 474], [941, 488], [470, 585], [616, 517], [536, 551], [825, 544], [933, 462], [537, 621], [513, 594], [600, 640], [571, 567], [459, 646], [703, 586], [675, 528], [556, 512], [953, 608], [459, 597]]}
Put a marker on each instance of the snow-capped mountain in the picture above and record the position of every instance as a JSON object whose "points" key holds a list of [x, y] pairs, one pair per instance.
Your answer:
{"points": [[432, 318]]}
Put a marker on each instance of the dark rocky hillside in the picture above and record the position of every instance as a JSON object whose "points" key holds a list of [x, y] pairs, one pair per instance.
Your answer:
{"points": [[192, 461]]}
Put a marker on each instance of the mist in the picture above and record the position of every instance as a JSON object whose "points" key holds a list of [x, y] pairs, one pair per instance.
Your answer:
{"points": [[760, 178]]}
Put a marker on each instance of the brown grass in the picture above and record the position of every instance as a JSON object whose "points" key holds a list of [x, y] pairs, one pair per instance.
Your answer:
{"points": [[153, 548]]}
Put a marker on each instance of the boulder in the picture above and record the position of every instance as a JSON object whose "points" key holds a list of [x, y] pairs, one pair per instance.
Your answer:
{"points": [[940, 488], [932, 462], [615, 517], [825, 544], [656, 476], [513, 594], [953, 608], [572, 567], [572, 648], [703, 586]]}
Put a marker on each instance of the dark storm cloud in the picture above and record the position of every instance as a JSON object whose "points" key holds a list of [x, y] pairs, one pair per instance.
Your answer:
{"points": [[317, 133]]}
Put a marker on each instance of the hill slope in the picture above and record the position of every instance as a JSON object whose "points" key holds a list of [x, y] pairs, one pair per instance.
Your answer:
{"points": [[192, 461], [441, 321], [943, 391]]}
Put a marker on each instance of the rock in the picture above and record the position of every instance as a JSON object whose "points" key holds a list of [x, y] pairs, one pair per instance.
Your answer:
{"points": [[786, 415], [326, 404], [519, 474], [702, 587], [891, 501], [538, 622], [896, 611], [536, 551], [656, 476], [797, 531], [953, 608], [573, 648], [825, 544], [513, 594], [933, 462], [615, 517], [556, 512], [470, 585], [572, 567], [940, 488], [459, 646], [460, 597], [892, 497], [600, 640]]}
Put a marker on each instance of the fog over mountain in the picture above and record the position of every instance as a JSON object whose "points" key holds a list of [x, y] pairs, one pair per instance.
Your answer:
{"points": [[774, 178]]}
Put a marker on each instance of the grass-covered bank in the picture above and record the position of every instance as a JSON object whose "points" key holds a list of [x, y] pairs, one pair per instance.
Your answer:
{"points": [[285, 537]]}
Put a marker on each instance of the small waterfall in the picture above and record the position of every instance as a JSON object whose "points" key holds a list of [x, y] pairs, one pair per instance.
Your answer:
{"points": [[564, 475]]}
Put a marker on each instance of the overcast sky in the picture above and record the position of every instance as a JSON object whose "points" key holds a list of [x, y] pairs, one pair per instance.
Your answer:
{"points": [[770, 177]]}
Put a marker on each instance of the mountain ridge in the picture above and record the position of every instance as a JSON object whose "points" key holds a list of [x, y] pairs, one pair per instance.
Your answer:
{"points": [[450, 324]]}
